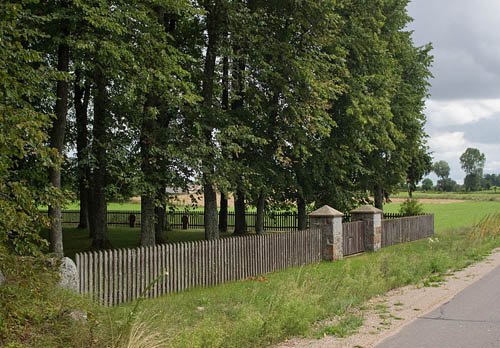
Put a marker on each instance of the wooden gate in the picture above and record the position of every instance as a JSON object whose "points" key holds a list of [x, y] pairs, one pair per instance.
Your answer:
{"points": [[354, 237]]}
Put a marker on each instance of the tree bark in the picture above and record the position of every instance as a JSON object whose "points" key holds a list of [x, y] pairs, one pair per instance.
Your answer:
{"points": [[210, 212], [147, 198], [302, 216], [161, 214], [210, 196], [81, 101], [240, 224], [378, 195], [99, 144], [223, 213], [225, 106], [147, 221], [57, 142], [259, 221]]}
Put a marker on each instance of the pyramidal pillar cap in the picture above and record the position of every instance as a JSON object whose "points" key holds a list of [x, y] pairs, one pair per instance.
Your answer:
{"points": [[326, 211], [366, 209]]}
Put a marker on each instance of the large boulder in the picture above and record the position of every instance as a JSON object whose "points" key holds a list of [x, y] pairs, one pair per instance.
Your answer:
{"points": [[69, 275]]}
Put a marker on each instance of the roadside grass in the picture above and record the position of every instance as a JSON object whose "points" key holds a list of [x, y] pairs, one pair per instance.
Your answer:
{"points": [[258, 313], [250, 313]]}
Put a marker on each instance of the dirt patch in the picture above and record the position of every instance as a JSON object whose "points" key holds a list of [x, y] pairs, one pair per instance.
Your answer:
{"points": [[388, 314], [429, 200]]}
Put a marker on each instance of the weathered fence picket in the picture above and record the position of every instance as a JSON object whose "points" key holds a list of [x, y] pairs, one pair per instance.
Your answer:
{"points": [[117, 276], [406, 229]]}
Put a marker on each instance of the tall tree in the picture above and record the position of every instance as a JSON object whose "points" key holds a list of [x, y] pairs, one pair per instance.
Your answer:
{"points": [[442, 169], [472, 162]]}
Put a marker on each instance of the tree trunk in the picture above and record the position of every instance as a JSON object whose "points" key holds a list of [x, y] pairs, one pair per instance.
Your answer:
{"points": [[100, 232], [161, 214], [302, 216], [147, 198], [240, 224], [147, 221], [379, 197], [57, 142], [223, 213], [225, 106], [210, 196], [81, 101], [259, 221], [210, 212]]}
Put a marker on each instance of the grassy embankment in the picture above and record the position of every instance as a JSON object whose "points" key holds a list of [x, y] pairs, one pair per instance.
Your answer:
{"points": [[251, 313]]}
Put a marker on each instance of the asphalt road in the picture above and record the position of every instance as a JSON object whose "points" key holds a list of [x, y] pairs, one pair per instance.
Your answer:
{"points": [[470, 320]]}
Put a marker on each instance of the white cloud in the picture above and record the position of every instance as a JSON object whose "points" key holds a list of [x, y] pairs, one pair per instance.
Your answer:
{"points": [[442, 114], [448, 144]]}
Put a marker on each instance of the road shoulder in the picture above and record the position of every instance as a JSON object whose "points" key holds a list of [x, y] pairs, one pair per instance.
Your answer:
{"points": [[389, 313]]}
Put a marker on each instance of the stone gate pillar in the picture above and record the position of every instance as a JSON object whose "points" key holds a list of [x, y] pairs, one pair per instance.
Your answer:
{"points": [[329, 221], [373, 232]]}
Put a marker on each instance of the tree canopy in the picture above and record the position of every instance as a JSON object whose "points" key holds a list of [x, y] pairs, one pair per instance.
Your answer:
{"points": [[282, 103]]}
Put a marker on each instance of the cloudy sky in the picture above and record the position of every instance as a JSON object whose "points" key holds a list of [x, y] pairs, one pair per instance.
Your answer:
{"points": [[464, 108]]}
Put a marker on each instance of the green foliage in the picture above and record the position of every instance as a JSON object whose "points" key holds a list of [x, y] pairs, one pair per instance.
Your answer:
{"points": [[472, 182], [411, 207], [446, 185], [472, 161], [427, 184], [442, 169], [23, 126]]}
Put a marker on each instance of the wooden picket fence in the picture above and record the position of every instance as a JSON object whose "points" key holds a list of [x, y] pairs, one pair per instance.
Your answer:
{"points": [[407, 229], [121, 275]]}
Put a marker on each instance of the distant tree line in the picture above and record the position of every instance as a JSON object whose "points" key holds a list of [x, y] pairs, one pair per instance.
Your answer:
{"points": [[277, 102], [472, 162]]}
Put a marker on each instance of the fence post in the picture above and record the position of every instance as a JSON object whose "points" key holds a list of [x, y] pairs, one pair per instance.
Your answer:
{"points": [[329, 221], [373, 232]]}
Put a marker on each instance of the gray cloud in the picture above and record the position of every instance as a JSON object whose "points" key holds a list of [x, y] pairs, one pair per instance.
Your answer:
{"points": [[485, 131], [467, 46]]}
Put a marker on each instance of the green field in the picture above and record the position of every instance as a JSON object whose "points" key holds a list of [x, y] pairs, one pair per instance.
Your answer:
{"points": [[490, 195], [454, 215]]}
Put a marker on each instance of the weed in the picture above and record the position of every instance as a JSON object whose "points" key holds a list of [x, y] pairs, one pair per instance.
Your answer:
{"points": [[346, 327]]}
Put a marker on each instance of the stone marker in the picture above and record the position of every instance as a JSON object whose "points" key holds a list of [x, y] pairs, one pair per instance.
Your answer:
{"points": [[69, 275]]}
